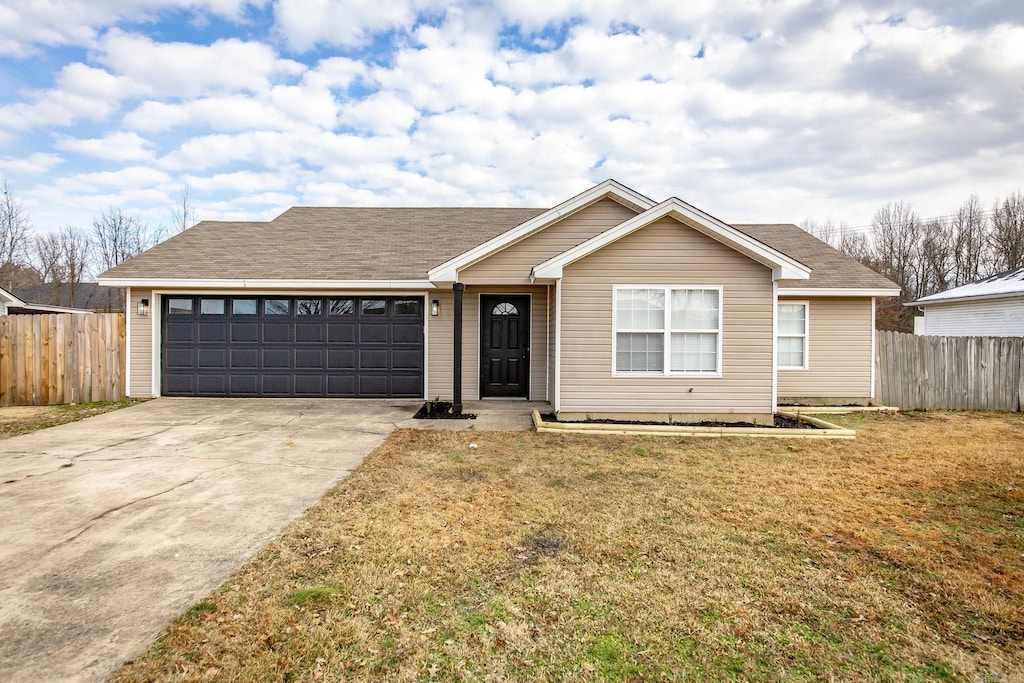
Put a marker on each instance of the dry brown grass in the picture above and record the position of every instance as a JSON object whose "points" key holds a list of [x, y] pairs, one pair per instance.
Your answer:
{"points": [[17, 420], [898, 556]]}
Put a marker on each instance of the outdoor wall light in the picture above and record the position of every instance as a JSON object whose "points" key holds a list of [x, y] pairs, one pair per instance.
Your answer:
{"points": [[143, 307], [435, 308]]}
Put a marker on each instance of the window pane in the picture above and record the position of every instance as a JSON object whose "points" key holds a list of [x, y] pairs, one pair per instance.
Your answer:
{"points": [[309, 307], [694, 309], [694, 352], [791, 352], [179, 306], [243, 306], [640, 309], [342, 307], [407, 306], [276, 306], [639, 352], [211, 306], [792, 318], [374, 307], [505, 308]]}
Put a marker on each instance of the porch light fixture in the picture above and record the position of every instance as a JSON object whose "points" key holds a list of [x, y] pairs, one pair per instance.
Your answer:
{"points": [[143, 307], [435, 308]]}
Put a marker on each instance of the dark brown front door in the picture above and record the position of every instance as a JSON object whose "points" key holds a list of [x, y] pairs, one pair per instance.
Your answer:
{"points": [[505, 346]]}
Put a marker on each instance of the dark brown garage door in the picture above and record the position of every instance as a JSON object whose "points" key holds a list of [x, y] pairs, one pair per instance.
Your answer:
{"points": [[344, 347]]}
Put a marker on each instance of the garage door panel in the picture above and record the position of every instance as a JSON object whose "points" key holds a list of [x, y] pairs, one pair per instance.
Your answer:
{"points": [[245, 333], [244, 385], [406, 360], [406, 386], [309, 359], [277, 332], [309, 333], [179, 384], [215, 385], [373, 386], [373, 359], [180, 359], [341, 333], [309, 385], [180, 331], [212, 359], [293, 346], [341, 385], [276, 385], [213, 332]]}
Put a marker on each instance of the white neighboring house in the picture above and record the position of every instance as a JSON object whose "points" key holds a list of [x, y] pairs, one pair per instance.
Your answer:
{"points": [[11, 304], [993, 307]]}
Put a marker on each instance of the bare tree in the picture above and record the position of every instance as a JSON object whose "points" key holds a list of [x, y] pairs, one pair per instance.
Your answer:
{"points": [[184, 213], [62, 258], [118, 237], [935, 268], [1007, 237], [969, 230], [14, 239]]}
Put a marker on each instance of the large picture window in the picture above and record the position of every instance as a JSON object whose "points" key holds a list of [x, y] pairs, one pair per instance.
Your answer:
{"points": [[668, 330], [792, 336]]}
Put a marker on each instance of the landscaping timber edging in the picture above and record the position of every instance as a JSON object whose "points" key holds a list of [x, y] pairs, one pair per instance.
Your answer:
{"points": [[825, 430]]}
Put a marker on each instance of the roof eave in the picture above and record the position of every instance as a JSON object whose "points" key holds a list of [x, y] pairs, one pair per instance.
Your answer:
{"points": [[920, 303], [255, 283], [839, 291]]}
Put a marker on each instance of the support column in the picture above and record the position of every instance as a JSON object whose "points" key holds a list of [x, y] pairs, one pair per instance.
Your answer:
{"points": [[458, 288]]}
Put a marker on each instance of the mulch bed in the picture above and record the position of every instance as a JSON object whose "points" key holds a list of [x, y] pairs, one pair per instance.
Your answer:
{"points": [[441, 410]]}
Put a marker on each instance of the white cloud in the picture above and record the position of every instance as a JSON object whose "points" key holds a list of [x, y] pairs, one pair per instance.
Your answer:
{"points": [[26, 23], [114, 147], [32, 165], [306, 23]]}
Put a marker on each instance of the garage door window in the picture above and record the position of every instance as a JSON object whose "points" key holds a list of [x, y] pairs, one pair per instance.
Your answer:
{"points": [[309, 307], [179, 306], [407, 307], [212, 307], [374, 307], [243, 307], [341, 307], [275, 306]]}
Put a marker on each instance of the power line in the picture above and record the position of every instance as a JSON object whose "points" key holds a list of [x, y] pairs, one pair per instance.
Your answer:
{"points": [[848, 228]]}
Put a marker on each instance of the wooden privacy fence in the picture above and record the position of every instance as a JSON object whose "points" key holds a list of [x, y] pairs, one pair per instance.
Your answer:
{"points": [[61, 358], [957, 373]]}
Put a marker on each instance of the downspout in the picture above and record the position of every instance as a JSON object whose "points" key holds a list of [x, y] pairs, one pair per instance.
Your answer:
{"points": [[458, 288]]}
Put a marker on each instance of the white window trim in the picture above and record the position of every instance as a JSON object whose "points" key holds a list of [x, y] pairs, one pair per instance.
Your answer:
{"points": [[667, 331], [806, 335]]}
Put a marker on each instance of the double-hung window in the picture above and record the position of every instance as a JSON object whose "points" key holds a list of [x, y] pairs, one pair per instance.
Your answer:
{"points": [[668, 330], [792, 334]]}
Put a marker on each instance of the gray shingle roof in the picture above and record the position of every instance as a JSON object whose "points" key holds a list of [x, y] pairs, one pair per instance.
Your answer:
{"points": [[326, 243], [310, 243], [831, 268]]}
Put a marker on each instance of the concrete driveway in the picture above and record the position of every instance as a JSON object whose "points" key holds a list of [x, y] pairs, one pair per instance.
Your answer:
{"points": [[111, 527]]}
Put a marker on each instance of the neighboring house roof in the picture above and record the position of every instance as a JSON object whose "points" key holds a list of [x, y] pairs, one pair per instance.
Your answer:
{"points": [[412, 247], [1006, 284], [15, 304], [87, 295], [831, 269]]}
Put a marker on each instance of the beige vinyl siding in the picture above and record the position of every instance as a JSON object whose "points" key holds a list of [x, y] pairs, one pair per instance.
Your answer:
{"points": [[440, 333], [839, 356], [140, 331], [666, 253], [512, 265], [552, 331]]}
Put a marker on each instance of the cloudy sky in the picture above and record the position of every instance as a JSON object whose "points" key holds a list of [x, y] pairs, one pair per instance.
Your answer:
{"points": [[753, 111]]}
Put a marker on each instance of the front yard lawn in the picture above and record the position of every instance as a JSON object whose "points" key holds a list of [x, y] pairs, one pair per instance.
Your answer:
{"points": [[898, 556]]}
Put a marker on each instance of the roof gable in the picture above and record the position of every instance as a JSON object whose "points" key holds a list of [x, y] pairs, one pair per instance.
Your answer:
{"points": [[783, 266], [609, 189]]}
